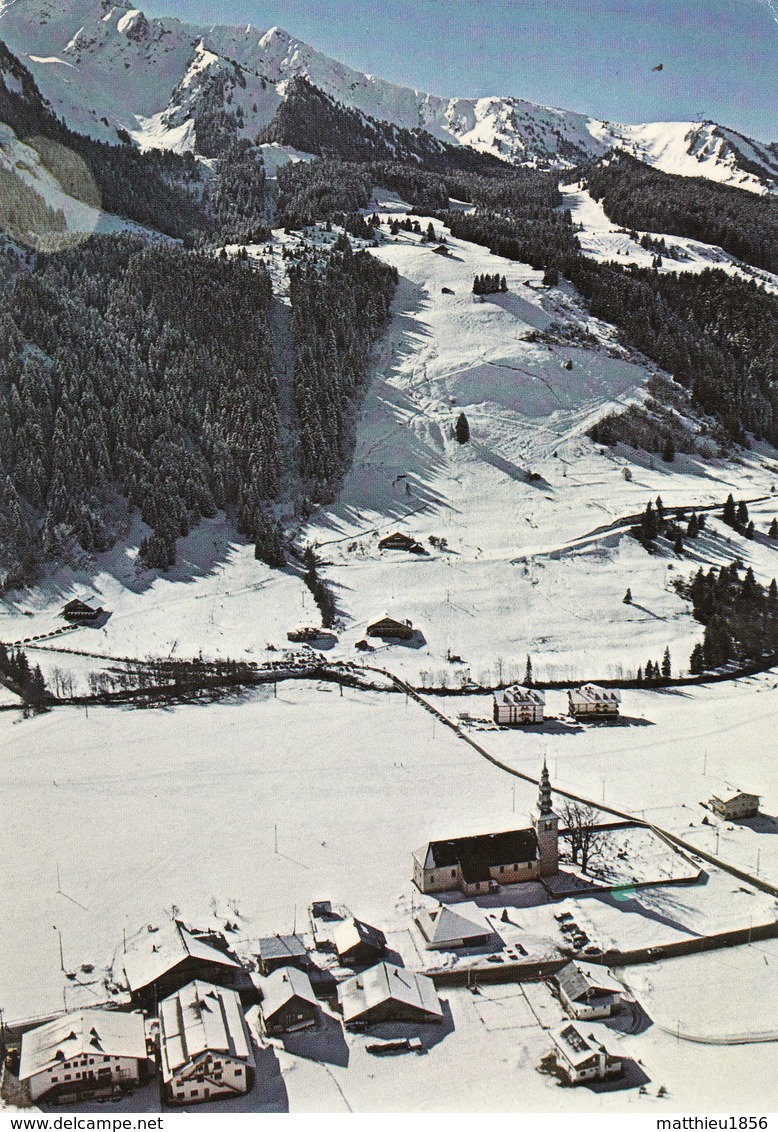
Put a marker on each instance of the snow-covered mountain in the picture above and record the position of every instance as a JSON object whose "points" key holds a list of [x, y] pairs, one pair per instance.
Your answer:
{"points": [[106, 67]]}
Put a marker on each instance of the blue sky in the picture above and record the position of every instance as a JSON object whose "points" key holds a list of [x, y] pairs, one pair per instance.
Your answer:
{"points": [[719, 57]]}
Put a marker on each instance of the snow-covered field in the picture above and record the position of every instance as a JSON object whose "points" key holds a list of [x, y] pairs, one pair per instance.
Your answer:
{"points": [[129, 813]]}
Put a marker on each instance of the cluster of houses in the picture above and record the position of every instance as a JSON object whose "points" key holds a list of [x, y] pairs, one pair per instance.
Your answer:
{"points": [[518, 705], [194, 1005]]}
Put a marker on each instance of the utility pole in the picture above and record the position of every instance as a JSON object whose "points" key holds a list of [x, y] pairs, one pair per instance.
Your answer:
{"points": [[275, 838], [61, 955]]}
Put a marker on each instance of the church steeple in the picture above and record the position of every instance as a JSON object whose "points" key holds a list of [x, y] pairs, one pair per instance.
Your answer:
{"points": [[546, 824], [544, 794]]}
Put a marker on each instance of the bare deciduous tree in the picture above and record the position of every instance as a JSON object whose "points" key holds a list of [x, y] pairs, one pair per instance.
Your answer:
{"points": [[586, 839]]}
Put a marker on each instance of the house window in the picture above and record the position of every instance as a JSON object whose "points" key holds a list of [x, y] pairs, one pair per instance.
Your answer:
{"points": [[67, 1076], [54, 1080], [106, 1059], [238, 1072], [502, 868], [453, 872], [217, 1065], [194, 1092]]}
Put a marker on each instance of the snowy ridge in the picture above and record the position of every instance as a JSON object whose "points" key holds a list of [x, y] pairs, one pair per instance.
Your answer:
{"points": [[149, 76]]}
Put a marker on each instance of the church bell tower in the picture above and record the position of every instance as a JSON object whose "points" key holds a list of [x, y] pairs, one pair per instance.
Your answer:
{"points": [[546, 825]]}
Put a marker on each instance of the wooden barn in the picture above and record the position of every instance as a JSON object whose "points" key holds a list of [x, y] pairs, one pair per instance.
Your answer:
{"points": [[517, 705], [288, 1001], [158, 962], [592, 702], [276, 951], [389, 628], [357, 942], [386, 993]]}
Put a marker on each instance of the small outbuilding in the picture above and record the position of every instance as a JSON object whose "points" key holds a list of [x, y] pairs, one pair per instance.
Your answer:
{"points": [[389, 628], [288, 1001], [205, 1050], [582, 1058], [592, 701], [302, 634], [281, 951], [588, 991], [386, 993], [732, 804], [357, 942], [445, 928], [517, 705], [84, 1055]]}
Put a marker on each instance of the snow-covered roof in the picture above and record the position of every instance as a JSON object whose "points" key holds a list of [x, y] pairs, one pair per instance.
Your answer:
{"points": [[281, 947], [108, 1033], [593, 694], [518, 694], [153, 953], [582, 981], [477, 854], [353, 932], [198, 1019], [727, 794], [572, 1043], [387, 983], [282, 985], [443, 926]]}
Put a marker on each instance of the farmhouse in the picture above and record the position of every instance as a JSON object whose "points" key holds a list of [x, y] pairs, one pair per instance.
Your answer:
{"points": [[160, 961], [591, 701], [734, 804], [281, 951], [390, 629], [444, 928], [588, 991], [399, 541], [79, 612], [519, 705], [204, 1045], [288, 1001], [85, 1054], [357, 942], [478, 864], [581, 1058], [386, 993]]}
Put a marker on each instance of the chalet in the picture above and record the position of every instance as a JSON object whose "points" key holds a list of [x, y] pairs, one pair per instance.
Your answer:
{"points": [[444, 928], [79, 612], [476, 865], [386, 993], [588, 991], [84, 1055], [582, 1058], [358, 942], [288, 1001], [303, 633], [159, 962], [733, 804], [281, 951], [390, 629], [399, 541], [204, 1046], [519, 705], [591, 701]]}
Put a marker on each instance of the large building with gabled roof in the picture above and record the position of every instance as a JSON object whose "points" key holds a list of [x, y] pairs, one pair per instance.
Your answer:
{"points": [[386, 993], [445, 927], [479, 863], [161, 961], [587, 990], [205, 1050], [85, 1054]]}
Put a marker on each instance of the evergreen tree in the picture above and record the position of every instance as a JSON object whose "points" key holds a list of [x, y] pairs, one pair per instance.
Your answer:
{"points": [[773, 531], [462, 429], [697, 661], [742, 513], [729, 514], [528, 672], [627, 599], [666, 664]]}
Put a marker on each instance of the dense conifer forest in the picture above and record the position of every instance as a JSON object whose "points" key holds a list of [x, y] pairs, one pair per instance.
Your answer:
{"points": [[637, 196]]}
